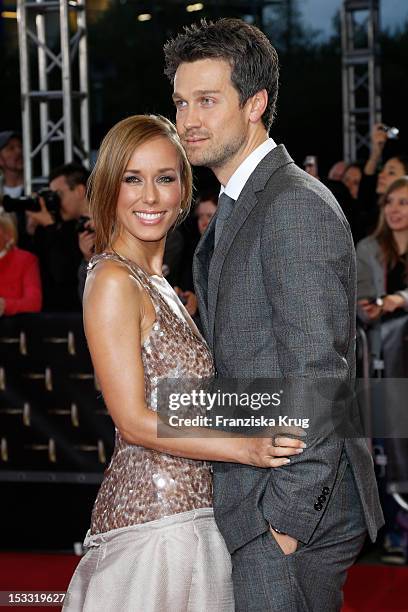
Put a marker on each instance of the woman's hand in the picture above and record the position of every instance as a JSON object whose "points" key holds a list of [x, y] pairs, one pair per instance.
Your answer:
{"points": [[393, 302], [378, 140], [268, 452], [370, 309]]}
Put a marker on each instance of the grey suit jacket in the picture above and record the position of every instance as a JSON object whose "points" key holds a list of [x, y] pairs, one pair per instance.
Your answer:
{"points": [[277, 299]]}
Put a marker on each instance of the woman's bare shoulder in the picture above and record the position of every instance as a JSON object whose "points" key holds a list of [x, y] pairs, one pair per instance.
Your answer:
{"points": [[110, 281]]}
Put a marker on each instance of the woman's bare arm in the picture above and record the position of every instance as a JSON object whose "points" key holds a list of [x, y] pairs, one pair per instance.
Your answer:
{"points": [[115, 315]]}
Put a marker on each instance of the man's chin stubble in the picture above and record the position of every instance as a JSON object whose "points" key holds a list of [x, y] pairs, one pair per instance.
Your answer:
{"points": [[210, 161]]}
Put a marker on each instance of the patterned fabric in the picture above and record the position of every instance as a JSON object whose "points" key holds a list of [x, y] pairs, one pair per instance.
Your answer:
{"points": [[141, 484]]}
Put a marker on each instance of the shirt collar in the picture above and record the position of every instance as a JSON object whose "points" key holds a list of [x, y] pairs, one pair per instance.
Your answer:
{"points": [[237, 181]]}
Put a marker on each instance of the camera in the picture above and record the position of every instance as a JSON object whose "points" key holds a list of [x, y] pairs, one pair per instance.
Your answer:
{"points": [[32, 203], [392, 132], [81, 225]]}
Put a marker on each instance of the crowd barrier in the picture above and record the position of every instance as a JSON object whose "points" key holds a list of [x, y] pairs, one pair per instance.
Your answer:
{"points": [[391, 453], [56, 436]]}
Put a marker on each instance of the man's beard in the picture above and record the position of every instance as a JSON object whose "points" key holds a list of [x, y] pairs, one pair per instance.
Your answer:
{"points": [[215, 156]]}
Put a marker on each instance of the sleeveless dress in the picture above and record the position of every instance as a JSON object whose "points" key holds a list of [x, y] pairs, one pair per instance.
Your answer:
{"points": [[153, 545]]}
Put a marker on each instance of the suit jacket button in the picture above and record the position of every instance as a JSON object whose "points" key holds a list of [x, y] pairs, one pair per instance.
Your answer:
{"points": [[321, 499], [318, 506], [325, 491]]}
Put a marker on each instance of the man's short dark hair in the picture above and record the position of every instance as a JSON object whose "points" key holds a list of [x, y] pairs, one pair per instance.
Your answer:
{"points": [[74, 174], [254, 61]]}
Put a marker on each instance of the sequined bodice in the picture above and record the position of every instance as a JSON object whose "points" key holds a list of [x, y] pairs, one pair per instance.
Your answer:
{"points": [[141, 484]]}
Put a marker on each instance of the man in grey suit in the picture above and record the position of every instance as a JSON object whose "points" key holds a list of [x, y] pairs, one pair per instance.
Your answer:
{"points": [[275, 281]]}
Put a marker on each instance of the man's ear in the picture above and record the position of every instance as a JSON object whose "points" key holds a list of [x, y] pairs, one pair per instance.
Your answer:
{"points": [[258, 104], [81, 191]]}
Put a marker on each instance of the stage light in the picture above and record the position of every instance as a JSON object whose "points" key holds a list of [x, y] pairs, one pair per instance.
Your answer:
{"points": [[192, 8], [9, 14], [144, 17]]}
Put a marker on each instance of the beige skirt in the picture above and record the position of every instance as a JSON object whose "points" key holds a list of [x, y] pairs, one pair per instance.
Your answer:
{"points": [[176, 564]]}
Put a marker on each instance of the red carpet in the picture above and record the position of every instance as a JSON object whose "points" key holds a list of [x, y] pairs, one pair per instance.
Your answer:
{"points": [[369, 588], [37, 572], [376, 588]]}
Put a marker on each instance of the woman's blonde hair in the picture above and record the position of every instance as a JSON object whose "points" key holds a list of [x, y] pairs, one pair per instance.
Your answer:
{"points": [[115, 152], [383, 232], [8, 225]]}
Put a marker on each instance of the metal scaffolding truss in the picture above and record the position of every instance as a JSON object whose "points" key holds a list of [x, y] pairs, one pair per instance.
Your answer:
{"points": [[361, 75], [54, 86]]}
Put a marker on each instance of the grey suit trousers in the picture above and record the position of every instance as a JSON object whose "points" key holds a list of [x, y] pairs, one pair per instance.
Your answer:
{"points": [[310, 579]]}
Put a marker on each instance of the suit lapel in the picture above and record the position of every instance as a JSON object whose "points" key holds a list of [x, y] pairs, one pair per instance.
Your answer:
{"points": [[246, 202]]}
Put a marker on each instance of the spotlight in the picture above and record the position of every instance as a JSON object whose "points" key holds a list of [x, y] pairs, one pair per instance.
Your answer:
{"points": [[144, 17], [192, 8]]}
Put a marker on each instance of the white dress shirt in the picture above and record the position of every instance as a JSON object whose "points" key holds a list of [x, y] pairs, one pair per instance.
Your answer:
{"points": [[237, 181]]}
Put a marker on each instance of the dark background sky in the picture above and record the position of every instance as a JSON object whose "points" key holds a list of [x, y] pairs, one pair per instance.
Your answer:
{"points": [[319, 13], [126, 67]]}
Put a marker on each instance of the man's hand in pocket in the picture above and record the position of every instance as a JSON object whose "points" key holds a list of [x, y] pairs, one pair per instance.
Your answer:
{"points": [[285, 542]]}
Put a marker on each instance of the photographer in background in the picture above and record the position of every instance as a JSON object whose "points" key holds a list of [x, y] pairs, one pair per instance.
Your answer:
{"points": [[56, 236]]}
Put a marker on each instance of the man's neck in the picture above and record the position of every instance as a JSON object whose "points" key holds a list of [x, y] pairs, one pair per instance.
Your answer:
{"points": [[12, 179], [225, 172]]}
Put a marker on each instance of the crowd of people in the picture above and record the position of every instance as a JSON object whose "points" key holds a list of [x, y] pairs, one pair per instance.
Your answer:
{"points": [[60, 234], [374, 198]]}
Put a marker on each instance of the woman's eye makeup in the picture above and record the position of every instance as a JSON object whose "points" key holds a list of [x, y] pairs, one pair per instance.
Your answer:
{"points": [[166, 179], [130, 178]]}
